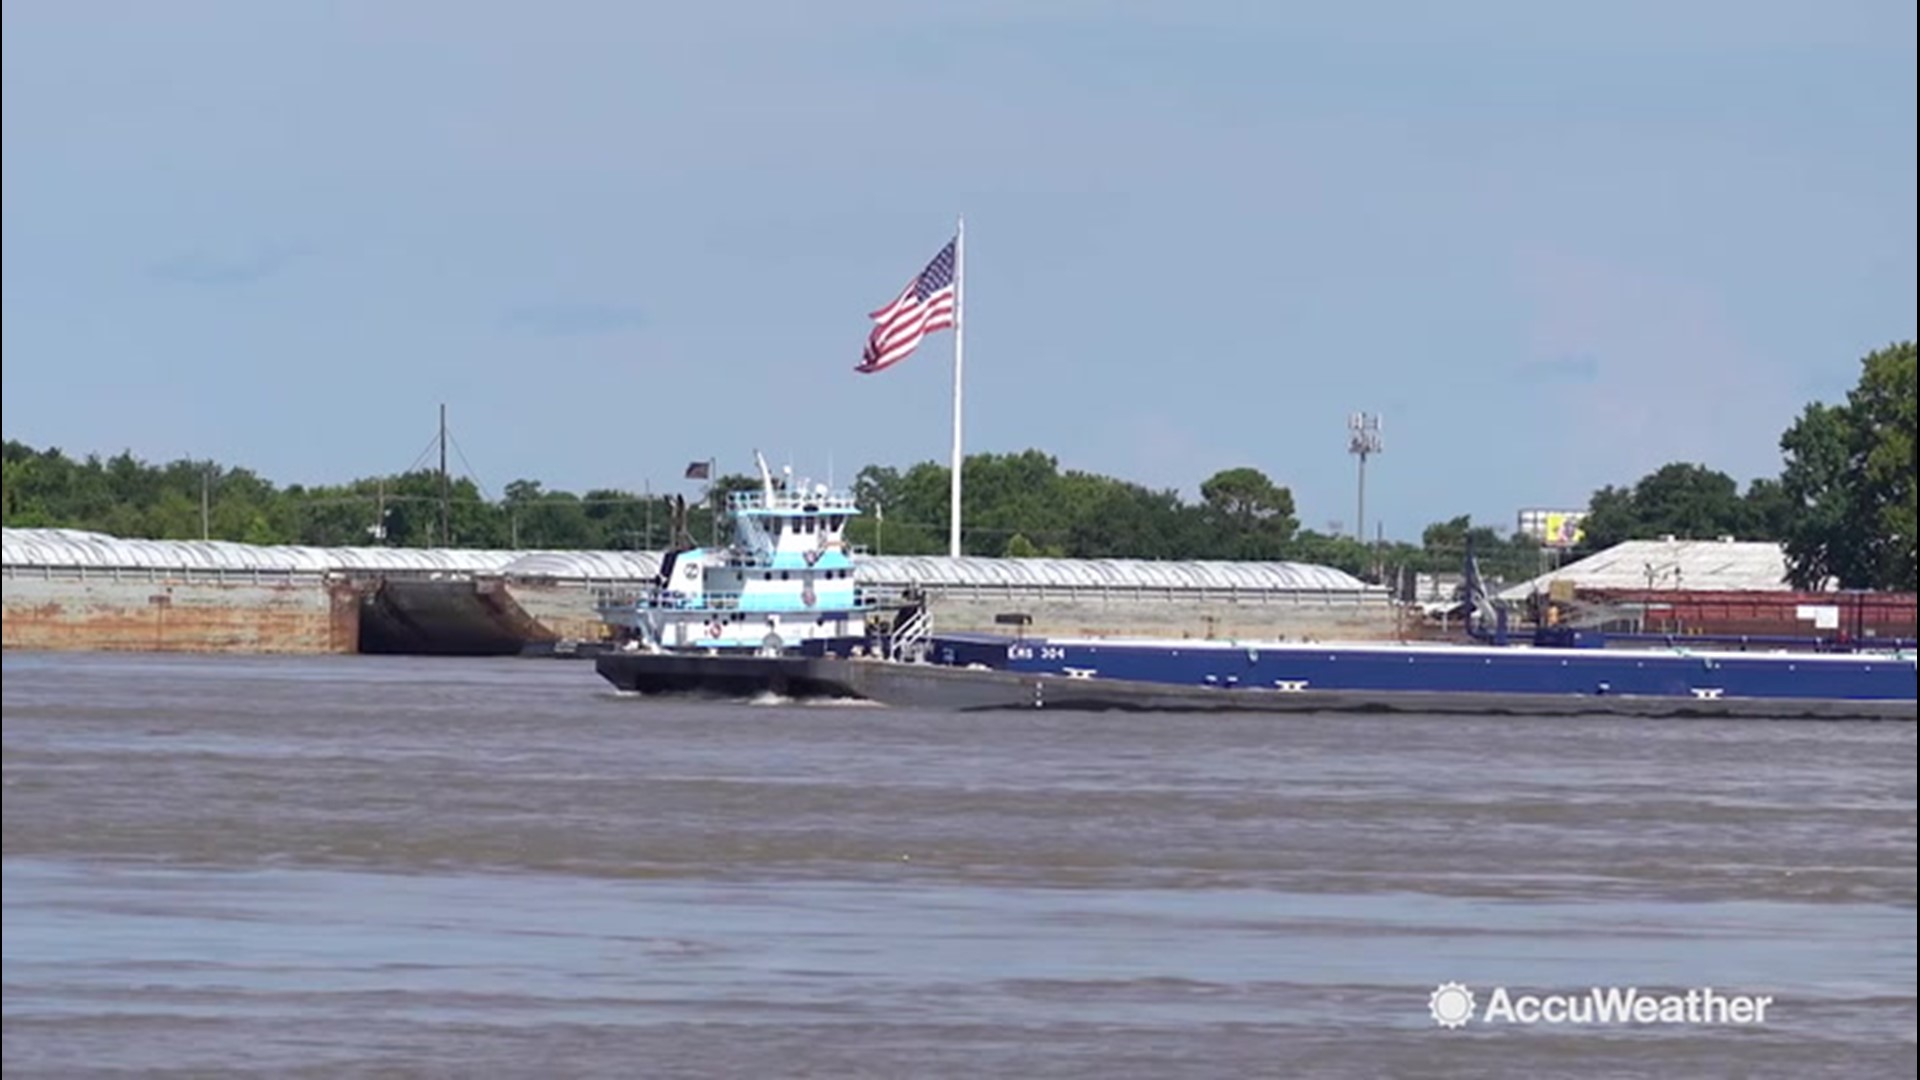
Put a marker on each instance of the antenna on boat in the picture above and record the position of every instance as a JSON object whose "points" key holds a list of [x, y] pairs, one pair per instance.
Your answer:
{"points": [[1486, 617], [766, 475], [677, 510]]}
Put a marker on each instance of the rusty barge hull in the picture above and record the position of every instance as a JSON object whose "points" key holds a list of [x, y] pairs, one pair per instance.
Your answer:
{"points": [[162, 613]]}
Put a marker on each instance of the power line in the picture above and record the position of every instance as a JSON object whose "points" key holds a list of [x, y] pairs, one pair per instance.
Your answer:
{"points": [[472, 473]]}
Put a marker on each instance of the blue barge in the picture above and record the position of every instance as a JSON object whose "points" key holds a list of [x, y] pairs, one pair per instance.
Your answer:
{"points": [[1296, 667]]}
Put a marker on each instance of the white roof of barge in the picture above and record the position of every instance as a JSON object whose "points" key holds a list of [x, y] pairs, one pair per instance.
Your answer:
{"points": [[1115, 573], [73, 547], [1717, 565], [595, 565], [76, 548]]}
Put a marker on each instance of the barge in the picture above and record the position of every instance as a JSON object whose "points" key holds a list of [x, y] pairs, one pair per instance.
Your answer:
{"points": [[778, 611], [976, 687]]}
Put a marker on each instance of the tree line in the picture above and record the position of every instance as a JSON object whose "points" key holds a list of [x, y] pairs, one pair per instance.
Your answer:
{"points": [[1018, 505], [1843, 505]]}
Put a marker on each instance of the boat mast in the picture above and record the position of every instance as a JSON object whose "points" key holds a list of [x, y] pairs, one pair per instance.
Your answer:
{"points": [[766, 477]]}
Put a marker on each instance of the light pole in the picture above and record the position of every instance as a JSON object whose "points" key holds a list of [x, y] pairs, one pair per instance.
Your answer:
{"points": [[1363, 441]]}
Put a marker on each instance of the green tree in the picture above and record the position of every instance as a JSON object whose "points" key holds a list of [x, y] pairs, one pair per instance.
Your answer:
{"points": [[622, 521], [1770, 511], [1849, 477], [1253, 517], [1680, 499], [1340, 552], [1882, 410], [1443, 549]]}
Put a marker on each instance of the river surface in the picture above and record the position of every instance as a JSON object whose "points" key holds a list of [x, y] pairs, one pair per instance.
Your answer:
{"points": [[398, 867]]}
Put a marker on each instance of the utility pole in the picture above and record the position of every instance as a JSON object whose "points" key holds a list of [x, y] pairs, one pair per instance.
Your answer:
{"points": [[1363, 441], [446, 489], [206, 501]]}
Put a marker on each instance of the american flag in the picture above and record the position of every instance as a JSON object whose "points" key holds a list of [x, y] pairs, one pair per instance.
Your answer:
{"points": [[927, 304]]}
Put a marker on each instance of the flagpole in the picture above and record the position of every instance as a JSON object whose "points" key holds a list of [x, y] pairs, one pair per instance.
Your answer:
{"points": [[959, 340]]}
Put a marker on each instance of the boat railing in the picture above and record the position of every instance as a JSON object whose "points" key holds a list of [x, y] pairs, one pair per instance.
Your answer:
{"points": [[865, 598], [912, 635], [792, 502]]}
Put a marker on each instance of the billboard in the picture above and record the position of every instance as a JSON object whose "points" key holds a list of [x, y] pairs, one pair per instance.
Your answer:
{"points": [[1553, 528]]}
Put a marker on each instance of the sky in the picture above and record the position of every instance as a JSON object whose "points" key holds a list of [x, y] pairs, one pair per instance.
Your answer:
{"points": [[1553, 246]]}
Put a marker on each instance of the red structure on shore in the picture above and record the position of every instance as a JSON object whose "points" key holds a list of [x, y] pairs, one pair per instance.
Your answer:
{"points": [[1848, 615]]}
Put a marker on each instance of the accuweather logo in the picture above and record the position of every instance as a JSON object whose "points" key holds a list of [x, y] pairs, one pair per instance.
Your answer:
{"points": [[1454, 1005]]}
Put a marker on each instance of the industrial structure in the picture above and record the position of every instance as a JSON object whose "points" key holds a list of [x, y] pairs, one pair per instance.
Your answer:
{"points": [[1708, 587]]}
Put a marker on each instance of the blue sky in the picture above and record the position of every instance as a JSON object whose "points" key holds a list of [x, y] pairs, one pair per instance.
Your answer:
{"points": [[1555, 245]]}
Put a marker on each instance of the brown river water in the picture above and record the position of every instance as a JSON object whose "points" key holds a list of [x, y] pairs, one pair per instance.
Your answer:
{"points": [[400, 867]]}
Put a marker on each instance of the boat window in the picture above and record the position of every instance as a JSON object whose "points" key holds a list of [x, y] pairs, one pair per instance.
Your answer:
{"points": [[785, 576]]}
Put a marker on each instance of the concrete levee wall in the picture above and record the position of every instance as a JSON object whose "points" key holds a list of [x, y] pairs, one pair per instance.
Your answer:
{"points": [[162, 612]]}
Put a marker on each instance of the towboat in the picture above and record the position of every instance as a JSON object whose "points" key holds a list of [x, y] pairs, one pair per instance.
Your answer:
{"points": [[785, 580]]}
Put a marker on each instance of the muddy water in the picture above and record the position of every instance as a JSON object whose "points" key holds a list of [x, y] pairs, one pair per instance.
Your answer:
{"points": [[463, 868]]}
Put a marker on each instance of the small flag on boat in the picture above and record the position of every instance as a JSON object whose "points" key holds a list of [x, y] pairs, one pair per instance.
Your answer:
{"points": [[700, 470], [926, 305]]}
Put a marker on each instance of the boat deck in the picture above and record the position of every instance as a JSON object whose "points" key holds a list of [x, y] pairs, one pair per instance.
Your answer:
{"points": [[936, 686]]}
